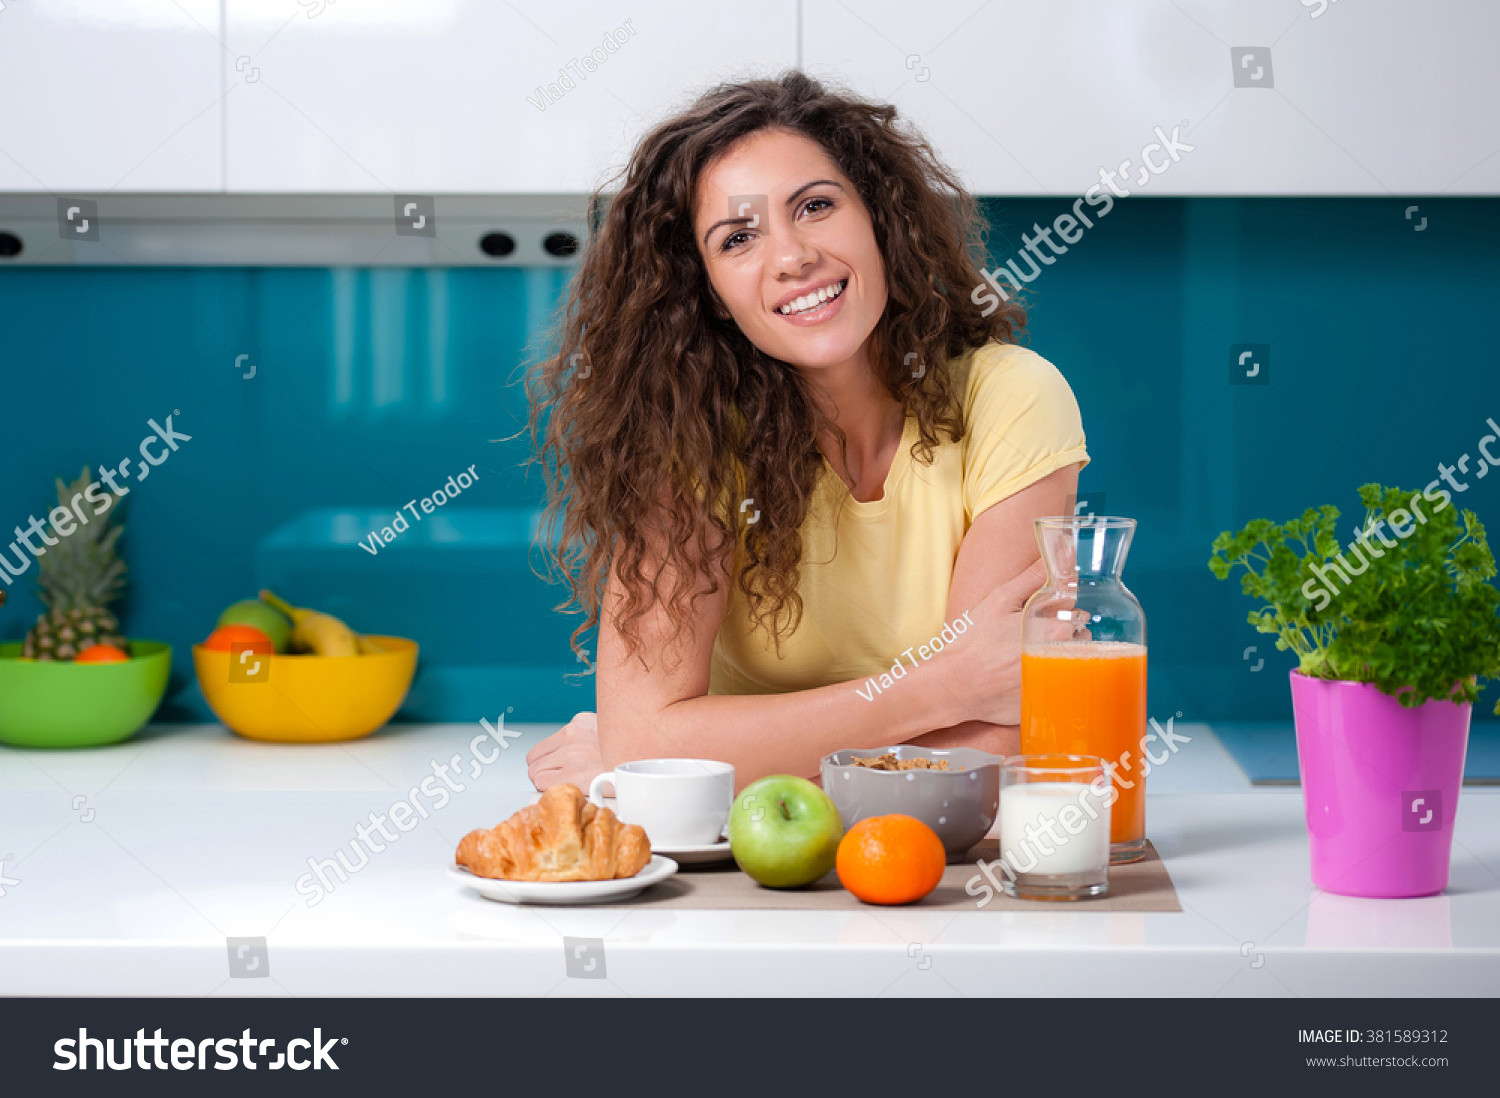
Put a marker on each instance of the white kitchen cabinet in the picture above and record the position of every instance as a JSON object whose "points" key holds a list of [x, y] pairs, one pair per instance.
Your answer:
{"points": [[1361, 96], [111, 95], [390, 96], [385, 96]]}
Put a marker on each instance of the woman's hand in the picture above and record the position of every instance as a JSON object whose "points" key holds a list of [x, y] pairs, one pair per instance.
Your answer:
{"points": [[984, 668], [571, 754]]}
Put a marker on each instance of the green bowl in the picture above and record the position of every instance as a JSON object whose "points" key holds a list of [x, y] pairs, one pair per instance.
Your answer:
{"points": [[53, 703]]}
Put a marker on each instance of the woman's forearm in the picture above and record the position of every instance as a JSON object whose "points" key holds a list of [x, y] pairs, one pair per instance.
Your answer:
{"points": [[997, 739], [782, 733]]}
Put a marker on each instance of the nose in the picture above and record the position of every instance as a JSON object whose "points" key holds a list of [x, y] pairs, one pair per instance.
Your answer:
{"points": [[794, 253]]}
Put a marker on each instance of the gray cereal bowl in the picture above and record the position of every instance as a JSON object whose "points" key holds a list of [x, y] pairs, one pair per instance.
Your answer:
{"points": [[960, 803]]}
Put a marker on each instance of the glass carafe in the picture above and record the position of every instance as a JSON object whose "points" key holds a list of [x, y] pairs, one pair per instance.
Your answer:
{"points": [[1083, 664]]}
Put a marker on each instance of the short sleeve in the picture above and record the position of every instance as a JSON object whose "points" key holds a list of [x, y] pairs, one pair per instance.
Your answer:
{"points": [[1021, 422]]}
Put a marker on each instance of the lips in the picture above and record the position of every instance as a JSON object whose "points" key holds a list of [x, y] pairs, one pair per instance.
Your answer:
{"points": [[812, 299]]}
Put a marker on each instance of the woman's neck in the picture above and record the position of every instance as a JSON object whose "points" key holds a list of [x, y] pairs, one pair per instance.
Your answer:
{"points": [[852, 397]]}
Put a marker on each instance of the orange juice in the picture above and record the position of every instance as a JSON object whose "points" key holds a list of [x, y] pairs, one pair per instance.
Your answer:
{"points": [[1090, 699]]}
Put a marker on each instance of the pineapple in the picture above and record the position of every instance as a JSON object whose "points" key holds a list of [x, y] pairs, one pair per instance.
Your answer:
{"points": [[77, 578]]}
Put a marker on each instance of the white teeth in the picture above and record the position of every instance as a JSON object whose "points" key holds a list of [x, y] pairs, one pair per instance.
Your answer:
{"points": [[813, 300]]}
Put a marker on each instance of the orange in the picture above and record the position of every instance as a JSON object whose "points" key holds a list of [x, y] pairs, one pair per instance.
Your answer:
{"points": [[101, 653], [890, 859], [225, 635]]}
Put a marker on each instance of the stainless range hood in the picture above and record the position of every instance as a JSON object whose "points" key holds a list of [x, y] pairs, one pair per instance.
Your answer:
{"points": [[292, 230]]}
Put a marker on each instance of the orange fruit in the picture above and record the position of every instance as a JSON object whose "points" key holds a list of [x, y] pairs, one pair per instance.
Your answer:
{"points": [[890, 859], [225, 635], [102, 653]]}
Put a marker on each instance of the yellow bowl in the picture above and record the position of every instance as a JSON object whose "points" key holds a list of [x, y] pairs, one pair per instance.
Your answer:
{"points": [[307, 699]]}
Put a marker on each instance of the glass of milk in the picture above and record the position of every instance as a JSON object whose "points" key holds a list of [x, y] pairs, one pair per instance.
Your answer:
{"points": [[1054, 826]]}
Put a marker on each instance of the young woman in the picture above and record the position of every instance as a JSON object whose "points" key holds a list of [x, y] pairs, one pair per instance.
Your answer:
{"points": [[785, 447]]}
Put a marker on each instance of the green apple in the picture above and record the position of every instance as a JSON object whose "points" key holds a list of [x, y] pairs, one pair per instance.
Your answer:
{"points": [[269, 620], [784, 831]]}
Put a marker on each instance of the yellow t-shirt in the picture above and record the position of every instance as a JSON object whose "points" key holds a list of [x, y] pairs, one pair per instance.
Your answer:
{"points": [[886, 587]]}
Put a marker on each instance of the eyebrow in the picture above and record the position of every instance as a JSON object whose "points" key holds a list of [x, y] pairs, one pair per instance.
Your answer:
{"points": [[790, 199]]}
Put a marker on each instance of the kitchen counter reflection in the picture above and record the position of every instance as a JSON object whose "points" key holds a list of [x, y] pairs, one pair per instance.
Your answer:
{"points": [[1349, 922]]}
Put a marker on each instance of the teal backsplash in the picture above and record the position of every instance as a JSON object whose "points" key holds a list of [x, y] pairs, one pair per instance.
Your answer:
{"points": [[372, 387]]}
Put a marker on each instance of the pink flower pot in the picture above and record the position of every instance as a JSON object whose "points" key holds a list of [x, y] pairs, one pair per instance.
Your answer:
{"points": [[1380, 785]]}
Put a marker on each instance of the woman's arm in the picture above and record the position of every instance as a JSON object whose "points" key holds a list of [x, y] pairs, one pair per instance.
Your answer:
{"points": [[663, 708], [999, 545], [997, 739], [666, 710]]}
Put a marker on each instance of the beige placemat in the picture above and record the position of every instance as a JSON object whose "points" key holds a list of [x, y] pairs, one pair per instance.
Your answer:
{"points": [[1139, 886]]}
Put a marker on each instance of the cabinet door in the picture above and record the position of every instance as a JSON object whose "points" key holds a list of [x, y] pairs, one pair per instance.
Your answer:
{"points": [[472, 95], [1351, 97], [111, 95]]}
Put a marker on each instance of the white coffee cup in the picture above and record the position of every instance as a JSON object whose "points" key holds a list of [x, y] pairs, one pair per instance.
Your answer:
{"points": [[680, 802]]}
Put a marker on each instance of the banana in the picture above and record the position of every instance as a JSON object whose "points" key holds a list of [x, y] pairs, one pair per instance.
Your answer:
{"points": [[314, 631], [366, 645], [324, 634]]}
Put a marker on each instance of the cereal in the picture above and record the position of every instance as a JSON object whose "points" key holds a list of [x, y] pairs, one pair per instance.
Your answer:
{"points": [[888, 761]]}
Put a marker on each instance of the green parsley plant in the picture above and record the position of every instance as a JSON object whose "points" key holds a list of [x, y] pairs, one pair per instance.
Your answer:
{"points": [[1419, 621]]}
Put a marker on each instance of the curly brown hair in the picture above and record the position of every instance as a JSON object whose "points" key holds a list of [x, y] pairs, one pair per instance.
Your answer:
{"points": [[660, 415]]}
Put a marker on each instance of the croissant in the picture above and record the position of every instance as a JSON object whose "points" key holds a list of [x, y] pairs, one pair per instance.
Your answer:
{"points": [[563, 837]]}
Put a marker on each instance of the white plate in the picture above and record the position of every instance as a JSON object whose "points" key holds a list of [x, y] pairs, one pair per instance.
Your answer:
{"points": [[706, 854], [566, 892]]}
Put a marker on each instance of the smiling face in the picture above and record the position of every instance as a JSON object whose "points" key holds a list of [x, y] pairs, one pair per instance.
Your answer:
{"points": [[795, 262]]}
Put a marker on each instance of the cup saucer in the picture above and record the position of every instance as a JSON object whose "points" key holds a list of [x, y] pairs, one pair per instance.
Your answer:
{"points": [[698, 854], [704, 854]]}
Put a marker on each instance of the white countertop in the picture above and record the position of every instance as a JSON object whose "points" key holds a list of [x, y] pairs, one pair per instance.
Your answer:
{"points": [[189, 836]]}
